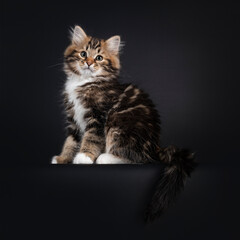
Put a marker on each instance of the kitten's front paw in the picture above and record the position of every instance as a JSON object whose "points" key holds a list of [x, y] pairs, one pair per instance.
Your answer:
{"points": [[106, 158], [82, 158]]}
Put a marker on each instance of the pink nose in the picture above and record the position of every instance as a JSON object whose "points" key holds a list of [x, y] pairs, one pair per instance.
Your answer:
{"points": [[89, 61]]}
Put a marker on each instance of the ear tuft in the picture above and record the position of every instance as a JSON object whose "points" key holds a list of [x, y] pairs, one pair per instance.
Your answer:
{"points": [[113, 44], [78, 35]]}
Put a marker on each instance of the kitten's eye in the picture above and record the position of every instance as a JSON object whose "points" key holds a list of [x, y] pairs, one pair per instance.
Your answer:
{"points": [[83, 54], [99, 58]]}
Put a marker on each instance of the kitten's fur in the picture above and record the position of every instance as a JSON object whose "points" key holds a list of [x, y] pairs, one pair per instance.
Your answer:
{"points": [[109, 122]]}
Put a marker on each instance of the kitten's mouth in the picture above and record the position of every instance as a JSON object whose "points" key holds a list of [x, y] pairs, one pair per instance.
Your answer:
{"points": [[88, 69]]}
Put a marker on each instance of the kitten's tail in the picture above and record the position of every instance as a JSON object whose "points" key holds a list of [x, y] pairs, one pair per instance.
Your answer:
{"points": [[180, 164]]}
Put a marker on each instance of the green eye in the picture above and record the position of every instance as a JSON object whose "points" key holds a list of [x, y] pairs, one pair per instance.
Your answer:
{"points": [[83, 54], [99, 58]]}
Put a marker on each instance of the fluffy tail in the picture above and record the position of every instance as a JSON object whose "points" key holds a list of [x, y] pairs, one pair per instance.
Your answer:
{"points": [[180, 164]]}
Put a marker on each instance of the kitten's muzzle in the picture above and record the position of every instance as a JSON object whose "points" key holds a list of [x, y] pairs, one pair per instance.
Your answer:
{"points": [[89, 61]]}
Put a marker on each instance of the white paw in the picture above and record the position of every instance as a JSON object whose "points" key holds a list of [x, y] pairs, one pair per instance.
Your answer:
{"points": [[107, 158], [54, 160], [82, 158]]}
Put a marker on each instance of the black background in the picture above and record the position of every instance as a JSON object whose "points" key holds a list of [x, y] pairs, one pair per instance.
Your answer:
{"points": [[184, 54]]}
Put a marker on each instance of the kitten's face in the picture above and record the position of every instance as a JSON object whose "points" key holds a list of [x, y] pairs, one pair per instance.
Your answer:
{"points": [[92, 57]]}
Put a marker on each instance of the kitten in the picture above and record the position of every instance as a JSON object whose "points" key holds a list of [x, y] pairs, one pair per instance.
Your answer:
{"points": [[112, 123]]}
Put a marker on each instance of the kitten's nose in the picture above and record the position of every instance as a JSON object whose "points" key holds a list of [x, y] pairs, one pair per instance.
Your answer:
{"points": [[89, 61]]}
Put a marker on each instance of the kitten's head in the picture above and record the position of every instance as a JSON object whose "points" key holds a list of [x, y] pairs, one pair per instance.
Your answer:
{"points": [[92, 57]]}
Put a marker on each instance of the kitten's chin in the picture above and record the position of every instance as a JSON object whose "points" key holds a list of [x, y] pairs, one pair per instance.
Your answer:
{"points": [[87, 72], [90, 72]]}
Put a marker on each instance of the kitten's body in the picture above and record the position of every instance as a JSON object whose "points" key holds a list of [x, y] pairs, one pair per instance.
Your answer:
{"points": [[121, 119], [109, 122]]}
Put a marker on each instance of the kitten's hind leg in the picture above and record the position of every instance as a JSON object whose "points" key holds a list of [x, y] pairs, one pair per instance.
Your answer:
{"points": [[107, 158], [69, 150]]}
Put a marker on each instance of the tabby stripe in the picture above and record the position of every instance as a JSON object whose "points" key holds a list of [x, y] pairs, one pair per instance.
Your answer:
{"points": [[93, 125], [72, 58], [73, 69], [98, 132], [99, 45], [134, 108], [70, 119], [74, 133], [93, 141]]}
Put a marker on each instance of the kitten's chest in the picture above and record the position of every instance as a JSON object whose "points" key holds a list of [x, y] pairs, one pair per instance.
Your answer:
{"points": [[75, 103]]}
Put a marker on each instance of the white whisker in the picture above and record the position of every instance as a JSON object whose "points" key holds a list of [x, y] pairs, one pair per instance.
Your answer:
{"points": [[55, 65]]}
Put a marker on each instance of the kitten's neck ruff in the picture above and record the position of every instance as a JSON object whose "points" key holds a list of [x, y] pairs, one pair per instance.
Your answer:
{"points": [[80, 80]]}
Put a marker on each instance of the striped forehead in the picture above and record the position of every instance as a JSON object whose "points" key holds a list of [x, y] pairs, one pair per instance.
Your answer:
{"points": [[94, 44]]}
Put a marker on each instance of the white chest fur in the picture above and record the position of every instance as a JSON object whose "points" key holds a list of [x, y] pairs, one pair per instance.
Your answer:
{"points": [[71, 86]]}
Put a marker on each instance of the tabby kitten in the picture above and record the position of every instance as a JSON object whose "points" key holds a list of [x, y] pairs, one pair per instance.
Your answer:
{"points": [[111, 123]]}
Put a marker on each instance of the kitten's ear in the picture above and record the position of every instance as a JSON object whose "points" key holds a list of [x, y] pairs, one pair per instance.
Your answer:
{"points": [[78, 35], [113, 44]]}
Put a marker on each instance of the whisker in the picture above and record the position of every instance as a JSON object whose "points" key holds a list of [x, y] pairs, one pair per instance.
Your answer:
{"points": [[55, 65]]}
